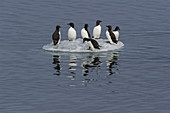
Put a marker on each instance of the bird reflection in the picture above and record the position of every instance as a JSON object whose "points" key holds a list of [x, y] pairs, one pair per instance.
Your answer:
{"points": [[56, 61], [97, 64], [112, 63], [72, 64], [93, 61]]}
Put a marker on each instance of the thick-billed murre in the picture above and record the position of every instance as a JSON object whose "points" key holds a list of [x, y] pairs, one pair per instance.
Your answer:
{"points": [[56, 36], [110, 35], [71, 32], [116, 32], [84, 32], [97, 30], [93, 44]]}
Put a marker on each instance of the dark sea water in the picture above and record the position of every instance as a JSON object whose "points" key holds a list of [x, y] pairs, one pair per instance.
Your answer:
{"points": [[133, 79]]}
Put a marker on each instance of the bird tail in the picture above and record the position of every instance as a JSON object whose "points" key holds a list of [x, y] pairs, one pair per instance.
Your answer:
{"points": [[116, 41], [54, 42]]}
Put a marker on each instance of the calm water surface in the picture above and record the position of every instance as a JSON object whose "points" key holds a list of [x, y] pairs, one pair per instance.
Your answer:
{"points": [[134, 79]]}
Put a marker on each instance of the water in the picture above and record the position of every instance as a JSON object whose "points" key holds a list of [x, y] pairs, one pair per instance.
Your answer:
{"points": [[134, 78]]}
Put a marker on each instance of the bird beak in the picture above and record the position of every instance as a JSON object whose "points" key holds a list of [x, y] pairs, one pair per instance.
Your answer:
{"points": [[68, 24]]}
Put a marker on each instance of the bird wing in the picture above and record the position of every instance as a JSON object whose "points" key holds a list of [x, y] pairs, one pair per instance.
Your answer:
{"points": [[56, 37], [112, 37], [95, 44], [88, 34]]}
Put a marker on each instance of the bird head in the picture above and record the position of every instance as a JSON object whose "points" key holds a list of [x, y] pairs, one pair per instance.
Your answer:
{"points": [[71, 24], [85, 39], [117, 28], [109, 27], [57, 27], [98, 22], [86, 25]]}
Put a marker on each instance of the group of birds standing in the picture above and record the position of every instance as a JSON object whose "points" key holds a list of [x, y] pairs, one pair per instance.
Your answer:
{"points": [[93, 44]]}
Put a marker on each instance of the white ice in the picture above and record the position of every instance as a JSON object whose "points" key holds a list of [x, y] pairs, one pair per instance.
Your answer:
{"points": [[78, 46]]}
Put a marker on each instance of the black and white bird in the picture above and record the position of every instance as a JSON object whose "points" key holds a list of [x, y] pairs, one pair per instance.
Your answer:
{"points": [[93, 44], [116, 32], [84, 32], [97, 30], [56, 36], [71, 32], [110, 35]]}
